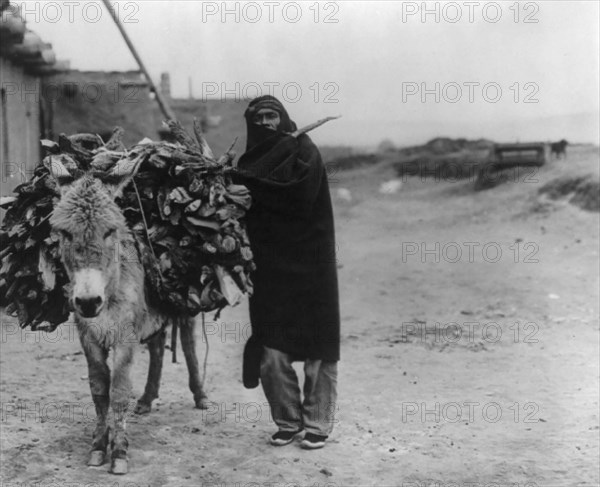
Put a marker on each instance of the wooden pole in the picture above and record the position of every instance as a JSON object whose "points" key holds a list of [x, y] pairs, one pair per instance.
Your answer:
{"points": [[162, 102], [313, 126]]}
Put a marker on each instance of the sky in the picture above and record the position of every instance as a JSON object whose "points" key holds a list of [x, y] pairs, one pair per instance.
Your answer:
{"points": [[404, 71]]}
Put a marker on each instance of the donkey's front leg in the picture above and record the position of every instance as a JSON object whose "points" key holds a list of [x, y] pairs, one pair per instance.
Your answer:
{"points": [[156, 347], [188, 343], [99, 378], [120, 392]]}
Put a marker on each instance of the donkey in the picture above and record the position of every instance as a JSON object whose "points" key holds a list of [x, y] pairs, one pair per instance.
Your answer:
{"points": [[559, 148], [110, 302]]}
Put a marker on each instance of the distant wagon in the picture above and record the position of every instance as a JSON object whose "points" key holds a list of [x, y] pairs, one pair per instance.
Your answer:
{"points": [[507, 156], [528, 154]]}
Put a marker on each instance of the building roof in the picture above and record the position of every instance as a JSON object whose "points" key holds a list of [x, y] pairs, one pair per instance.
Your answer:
{"points": [[24, 47]]}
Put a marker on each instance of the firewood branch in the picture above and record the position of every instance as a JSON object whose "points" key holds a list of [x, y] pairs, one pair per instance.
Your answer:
{"points": [[204, 147], [312, 126]]}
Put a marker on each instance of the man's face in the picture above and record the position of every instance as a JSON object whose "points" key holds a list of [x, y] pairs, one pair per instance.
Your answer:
{"points": [[267, 118]]}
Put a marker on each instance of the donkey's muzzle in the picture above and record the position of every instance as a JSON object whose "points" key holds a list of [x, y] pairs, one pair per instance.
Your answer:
{"points": [[89, 307]]}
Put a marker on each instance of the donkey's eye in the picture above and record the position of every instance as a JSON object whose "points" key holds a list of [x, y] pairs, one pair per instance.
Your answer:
{"points": [[110, 233], [66, 235]]}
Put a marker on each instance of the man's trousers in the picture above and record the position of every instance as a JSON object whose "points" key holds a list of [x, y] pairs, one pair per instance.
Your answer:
{"points": [[316, 413]]}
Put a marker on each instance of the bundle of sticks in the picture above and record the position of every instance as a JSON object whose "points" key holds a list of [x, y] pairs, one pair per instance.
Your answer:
{"points": [[32, 279], [182, 206]]}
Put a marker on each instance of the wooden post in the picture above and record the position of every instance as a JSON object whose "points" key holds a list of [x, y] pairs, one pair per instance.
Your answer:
{"points": [[162, 102]]}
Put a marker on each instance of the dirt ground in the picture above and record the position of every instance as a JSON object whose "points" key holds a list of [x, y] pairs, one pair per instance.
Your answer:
{"points": [[479, 368]]}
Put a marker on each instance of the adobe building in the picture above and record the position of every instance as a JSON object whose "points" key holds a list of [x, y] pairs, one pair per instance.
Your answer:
{"points": [[98, 101], [25, 61]]}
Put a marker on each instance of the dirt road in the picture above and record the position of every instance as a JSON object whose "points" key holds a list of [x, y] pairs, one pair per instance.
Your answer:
{"points": [[469, 354]]}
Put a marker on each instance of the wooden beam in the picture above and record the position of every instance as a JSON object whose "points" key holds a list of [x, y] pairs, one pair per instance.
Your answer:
{"points": [[162, 102]]}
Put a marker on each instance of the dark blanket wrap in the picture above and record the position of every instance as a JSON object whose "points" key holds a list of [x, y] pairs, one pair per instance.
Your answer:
{"points": [[295, 307]]}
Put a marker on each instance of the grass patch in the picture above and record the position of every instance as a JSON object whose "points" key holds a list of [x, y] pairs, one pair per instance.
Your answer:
{"points": [[582, 191]]}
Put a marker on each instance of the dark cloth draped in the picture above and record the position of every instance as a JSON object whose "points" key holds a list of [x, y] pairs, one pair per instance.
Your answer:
{"points": [[295, 306]]}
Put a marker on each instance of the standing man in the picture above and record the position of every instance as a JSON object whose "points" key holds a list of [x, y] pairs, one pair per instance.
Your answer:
{"points": [[294, 310]]}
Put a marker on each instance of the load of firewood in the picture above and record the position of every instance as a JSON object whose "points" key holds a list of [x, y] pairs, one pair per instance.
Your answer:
{"points": [[182, 206], [30, 285]]}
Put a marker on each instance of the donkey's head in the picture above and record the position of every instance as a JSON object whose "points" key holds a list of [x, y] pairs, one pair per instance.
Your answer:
{"points": [[90, 226]]}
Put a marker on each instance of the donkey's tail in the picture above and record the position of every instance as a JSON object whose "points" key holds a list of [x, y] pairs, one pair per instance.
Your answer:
{"points": [[174, 323], [174, 340]]}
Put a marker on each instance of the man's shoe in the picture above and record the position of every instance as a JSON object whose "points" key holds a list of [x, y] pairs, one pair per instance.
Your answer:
{"points": [[312, 441], [284, 437]]}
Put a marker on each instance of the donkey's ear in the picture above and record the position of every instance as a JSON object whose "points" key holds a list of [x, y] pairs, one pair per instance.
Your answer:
{"points": [[59, 172], [121, 174]]}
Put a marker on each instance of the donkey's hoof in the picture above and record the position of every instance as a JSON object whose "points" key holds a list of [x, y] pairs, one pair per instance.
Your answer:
{"points": [[96, 458], [142, 408], [118, 466], [202, 403]]}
